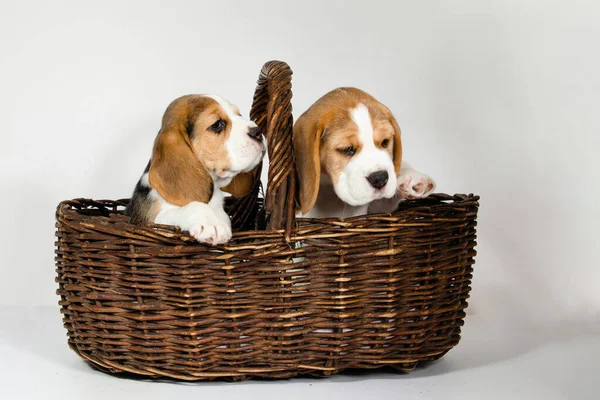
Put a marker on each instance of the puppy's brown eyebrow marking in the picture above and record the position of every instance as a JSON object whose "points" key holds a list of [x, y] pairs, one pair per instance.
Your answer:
{"points": [[214, 113]]}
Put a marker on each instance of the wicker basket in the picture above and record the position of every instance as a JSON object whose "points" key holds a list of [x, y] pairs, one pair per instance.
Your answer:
{"points": [[364, 292]]}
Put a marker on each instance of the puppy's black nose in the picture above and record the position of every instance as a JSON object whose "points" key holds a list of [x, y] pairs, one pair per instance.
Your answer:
{"points": [[378, 179], [255, 133]]}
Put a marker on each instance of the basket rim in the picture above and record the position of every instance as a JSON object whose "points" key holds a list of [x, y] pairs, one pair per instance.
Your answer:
{"points": [[435, 201]]}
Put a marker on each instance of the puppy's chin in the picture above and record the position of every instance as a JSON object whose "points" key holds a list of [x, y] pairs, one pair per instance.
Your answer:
{"points": [[247, 156], [357, 193], [257, 159]]}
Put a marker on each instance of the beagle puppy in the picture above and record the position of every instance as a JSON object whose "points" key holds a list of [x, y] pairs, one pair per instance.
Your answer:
{"points": [[204, 148], [349, 158]]}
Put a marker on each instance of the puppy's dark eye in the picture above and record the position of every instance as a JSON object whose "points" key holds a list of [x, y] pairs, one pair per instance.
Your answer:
{"points": [[347, 151], [218, 126], [385, 143]]}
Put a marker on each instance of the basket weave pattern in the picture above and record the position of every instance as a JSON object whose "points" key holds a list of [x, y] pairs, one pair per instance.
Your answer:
{"points": [[303, 296]]}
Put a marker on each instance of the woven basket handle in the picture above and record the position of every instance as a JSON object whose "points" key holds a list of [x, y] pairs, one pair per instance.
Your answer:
{"points": [[272, 112]]}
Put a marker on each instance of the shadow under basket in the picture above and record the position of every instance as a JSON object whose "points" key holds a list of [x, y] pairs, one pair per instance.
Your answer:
{"points": [[292, 296]]}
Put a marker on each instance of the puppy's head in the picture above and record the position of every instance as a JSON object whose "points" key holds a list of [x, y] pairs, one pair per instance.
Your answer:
{"points": [[204, 143], [353, 141]]}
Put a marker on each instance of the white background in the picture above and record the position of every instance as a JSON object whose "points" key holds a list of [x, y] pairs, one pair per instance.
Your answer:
{"points": [[498, 98]]}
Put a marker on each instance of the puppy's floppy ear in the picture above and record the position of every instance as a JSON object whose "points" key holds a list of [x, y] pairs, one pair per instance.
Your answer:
{"points": [[240, 185], [397, 145], [397, 139], [307, 139], [175, 170]]}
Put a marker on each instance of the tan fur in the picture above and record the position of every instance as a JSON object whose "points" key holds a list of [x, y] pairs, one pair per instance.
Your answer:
{"points": [[209, 146], [181, 166], [396, 147], [326, 127], [212, 151], [176, 172], [240, 185]]}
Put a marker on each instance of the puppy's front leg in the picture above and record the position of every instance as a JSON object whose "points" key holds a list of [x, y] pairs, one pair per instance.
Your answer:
{"points": [[412, 184], [216, 203], [200, 220]]}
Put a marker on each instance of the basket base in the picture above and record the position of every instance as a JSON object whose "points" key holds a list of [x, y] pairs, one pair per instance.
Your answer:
{"points": [[127, 372]]}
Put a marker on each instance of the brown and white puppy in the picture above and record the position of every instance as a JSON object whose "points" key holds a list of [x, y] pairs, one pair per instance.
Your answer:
{"points": [[204, 147], [348, 153]]}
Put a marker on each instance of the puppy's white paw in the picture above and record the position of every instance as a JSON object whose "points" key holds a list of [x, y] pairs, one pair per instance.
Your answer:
{"points": [[211, 229], [413, 184]]}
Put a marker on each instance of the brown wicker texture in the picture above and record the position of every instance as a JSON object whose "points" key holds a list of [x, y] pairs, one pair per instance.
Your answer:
{"points": [[365, 292]]}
